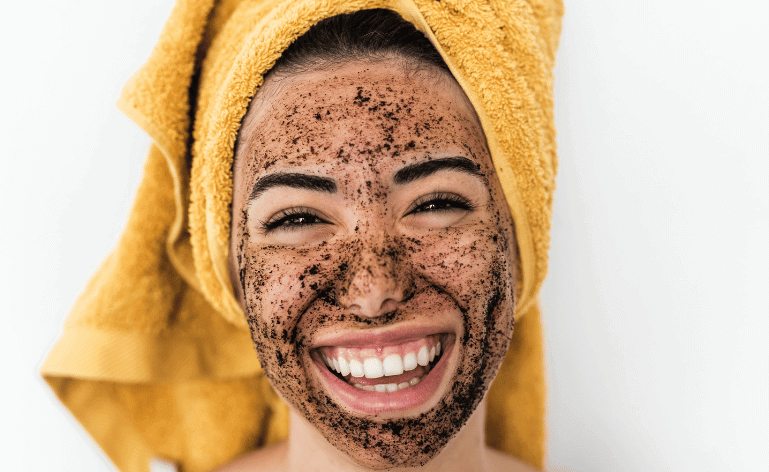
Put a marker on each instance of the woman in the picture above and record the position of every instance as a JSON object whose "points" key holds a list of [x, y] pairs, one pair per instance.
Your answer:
{"points": [[364, 234], [371, 248]]}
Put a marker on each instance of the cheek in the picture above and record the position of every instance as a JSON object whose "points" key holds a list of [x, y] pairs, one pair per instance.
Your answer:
{"points": [[281, 287], [279, 284], [465, 263]]}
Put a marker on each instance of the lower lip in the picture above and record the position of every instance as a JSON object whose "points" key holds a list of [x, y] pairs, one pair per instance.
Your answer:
{"points": [[382, 402]]}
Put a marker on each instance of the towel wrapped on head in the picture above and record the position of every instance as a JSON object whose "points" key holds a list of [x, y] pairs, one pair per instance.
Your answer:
{"points": [[156, 359]]}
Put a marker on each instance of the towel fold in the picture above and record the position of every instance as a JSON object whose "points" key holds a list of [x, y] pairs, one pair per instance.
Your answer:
{"points": [[156, 359]]}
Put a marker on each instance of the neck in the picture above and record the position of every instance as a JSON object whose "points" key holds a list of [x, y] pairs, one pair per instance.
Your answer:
{"points": [[307, 449]]}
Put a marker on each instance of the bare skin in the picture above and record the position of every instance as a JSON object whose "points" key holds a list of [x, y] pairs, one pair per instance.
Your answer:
{"points": [[365, 203], [465, 453]]}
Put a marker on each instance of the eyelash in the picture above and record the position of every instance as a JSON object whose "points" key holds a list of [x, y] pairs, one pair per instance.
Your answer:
{"points": [[292, 219], [442, 202]]}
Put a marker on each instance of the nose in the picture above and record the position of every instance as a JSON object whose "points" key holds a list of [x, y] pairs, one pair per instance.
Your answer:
{"points": [[375, 283]]}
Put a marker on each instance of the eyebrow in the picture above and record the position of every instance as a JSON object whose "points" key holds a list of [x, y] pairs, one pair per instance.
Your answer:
{"points": [[293, 180], [421, 170]]}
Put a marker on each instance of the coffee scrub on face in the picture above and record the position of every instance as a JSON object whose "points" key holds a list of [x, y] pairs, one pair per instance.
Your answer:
{"points": [[334, 256], [409, 242]]}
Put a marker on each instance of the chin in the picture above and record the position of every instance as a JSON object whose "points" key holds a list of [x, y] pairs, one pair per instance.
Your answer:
{"points": [[395, 397]]}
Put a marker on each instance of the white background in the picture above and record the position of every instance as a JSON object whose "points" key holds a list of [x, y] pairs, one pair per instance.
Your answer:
{"points": [[656, 303]]}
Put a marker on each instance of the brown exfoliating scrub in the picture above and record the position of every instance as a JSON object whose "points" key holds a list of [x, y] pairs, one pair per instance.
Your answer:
{"points": [[323, 222]]}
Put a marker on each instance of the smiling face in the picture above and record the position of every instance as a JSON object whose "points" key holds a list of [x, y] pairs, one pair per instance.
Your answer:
{"points": [[373, 253]]}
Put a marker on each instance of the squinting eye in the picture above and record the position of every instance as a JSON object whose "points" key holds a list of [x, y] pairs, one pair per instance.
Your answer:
{"points": [[292, 219], [439, 203]]}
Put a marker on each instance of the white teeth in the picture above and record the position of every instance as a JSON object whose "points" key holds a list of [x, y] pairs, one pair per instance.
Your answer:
{"points": [[370, 388], [373, 368], [423, 357], [393, 365], [409, 361], [380, 387], [344, 366], [403, 385], [392, 387], [414, 381], [356, 368]]}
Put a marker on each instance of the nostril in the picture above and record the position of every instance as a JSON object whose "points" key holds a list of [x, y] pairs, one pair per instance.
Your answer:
{"points": [[388, 306], [368, 308]]}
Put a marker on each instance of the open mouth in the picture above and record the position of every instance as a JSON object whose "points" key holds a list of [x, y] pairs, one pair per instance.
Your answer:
{"points": [[386, 377]]}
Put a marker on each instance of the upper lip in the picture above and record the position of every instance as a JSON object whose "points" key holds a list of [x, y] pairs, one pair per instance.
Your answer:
{"points": [[380, 337]]}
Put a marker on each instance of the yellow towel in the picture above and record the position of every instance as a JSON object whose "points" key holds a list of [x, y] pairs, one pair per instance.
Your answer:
{"points": [[156, 359]]}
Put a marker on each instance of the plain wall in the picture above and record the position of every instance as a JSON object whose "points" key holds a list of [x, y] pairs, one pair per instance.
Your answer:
{"points": [[655, 306]]}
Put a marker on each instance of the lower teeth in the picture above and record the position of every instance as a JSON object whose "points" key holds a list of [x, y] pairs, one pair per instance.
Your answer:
{"points": [[389, 387]]}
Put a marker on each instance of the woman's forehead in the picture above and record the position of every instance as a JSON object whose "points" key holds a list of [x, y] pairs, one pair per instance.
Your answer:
{"points": [[386, 77], [356, 112]]}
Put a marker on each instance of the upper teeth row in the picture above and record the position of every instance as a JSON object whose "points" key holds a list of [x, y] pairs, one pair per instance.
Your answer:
{"points": [[373, 368]]}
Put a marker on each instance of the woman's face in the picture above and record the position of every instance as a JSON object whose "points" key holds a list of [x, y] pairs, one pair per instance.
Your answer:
{"points": [[373, 254]]}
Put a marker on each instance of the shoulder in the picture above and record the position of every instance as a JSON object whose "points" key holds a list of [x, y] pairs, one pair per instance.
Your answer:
{"points": [[268, 458]]}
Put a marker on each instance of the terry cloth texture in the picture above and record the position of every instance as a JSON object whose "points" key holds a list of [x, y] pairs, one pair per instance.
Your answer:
{"points": [[156, 359]]}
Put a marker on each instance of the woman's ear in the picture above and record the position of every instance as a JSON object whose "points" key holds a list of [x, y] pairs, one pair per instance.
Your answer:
{"points": [[232, 268]]}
